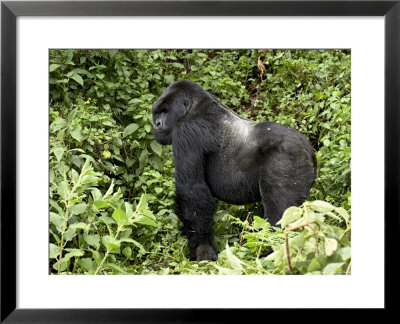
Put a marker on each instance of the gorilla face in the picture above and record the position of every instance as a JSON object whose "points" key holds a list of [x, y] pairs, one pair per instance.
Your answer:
{"points": [[167, 111], [163, 126]]}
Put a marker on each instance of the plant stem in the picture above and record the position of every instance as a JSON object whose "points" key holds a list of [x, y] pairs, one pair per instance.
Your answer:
{"points": [[287, 253], [62, 240], [119, 229], [348, 269], [66, 218], [102, 262], [287, 240]]}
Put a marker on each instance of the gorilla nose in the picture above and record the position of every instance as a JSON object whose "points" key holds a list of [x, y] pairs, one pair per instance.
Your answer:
{"points": [[157, 125]]}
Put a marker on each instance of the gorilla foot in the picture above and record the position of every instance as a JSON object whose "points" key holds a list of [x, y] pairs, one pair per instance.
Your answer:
{"points": [[206, 252]]}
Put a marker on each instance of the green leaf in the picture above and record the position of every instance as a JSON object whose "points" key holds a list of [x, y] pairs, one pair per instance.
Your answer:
{"points": [[80, 225], [135, 101], [232, 259], [289, 216], [129, 130], [73, 253], [127, 252], [58, 124], [97, 195], [90, 179], [74, 176], [178, 65], [227, 271], [128, 209], [57, 220], [97, 256], [314, 266], [107, 220], [77, 78], [142, 203], [54, 67], [144, 220], [169, 78], [63, 265], [345, 253], [321, 206], [101, 204], [330, 246], [63, 190], [342, 212], [298, 241], [143, 159], [54, 251], [120, 217], [109, 190], [260, 223], [111, 245], [69, 234], [157, 148], [58, 152], [114, 267], [92, 239], [333, 268], [78, 209], [86, 264], [129, 240], [76, 134], [56, 206]]}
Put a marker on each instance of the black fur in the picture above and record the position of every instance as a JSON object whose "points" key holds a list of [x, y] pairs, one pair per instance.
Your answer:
{"points": [[219, 154]]}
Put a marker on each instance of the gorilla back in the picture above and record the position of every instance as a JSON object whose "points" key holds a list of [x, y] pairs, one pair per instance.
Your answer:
{"points": [[219, 154]]}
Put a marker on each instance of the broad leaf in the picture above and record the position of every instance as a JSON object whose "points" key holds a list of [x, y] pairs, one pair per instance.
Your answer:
{"points": [[77, 78], [54, 251], [120, 217], [58, 152], [330, 246], [129, 130], [321, 206], [333, 268], [54, 67], [157, 148], [289, 216], [78, 209], [111, 245]]}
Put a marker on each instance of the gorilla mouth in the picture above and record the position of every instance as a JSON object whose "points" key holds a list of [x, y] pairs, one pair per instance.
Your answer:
{"points": [[161, 132], [163, 137]]}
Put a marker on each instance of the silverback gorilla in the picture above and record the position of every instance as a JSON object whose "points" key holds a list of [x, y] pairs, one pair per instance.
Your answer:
{"points": [[218, 154]]}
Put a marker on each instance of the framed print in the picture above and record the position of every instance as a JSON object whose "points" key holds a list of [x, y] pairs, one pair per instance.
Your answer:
{"points": [[89, 83]]}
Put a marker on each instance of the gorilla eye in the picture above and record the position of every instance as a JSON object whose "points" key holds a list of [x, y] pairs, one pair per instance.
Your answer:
{"points": [[185, 103]]}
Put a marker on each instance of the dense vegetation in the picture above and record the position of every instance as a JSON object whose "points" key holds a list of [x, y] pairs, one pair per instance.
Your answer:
{"points": [[112, 185]]}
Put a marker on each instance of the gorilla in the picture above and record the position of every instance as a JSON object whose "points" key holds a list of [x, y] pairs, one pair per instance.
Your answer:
{"points": [[220, 155]]}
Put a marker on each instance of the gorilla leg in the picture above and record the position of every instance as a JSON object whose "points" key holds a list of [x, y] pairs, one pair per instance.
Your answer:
{"points": [[274, 203], [195, 207], [284, 182]]}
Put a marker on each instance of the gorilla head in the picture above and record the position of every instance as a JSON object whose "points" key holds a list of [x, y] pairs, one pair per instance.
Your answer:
{"points": [[220, 155], [171, 107]]}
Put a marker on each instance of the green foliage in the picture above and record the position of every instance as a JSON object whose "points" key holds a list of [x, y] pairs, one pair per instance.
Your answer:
{"points": [[317, 246], [112, 186]]}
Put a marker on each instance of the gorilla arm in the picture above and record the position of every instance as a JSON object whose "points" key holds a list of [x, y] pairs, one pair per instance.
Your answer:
{"points": [[194, 203]]}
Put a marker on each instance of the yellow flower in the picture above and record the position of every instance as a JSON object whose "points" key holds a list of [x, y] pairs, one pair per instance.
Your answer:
{"points": [[88, 101], [106, 154]]}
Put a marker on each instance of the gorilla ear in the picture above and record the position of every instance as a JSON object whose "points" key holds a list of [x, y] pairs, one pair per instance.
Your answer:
{"points": [[186, 103]]}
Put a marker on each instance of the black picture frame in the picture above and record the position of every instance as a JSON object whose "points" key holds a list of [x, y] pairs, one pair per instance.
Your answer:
{"points": [[10, 10]]}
